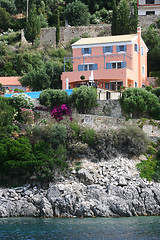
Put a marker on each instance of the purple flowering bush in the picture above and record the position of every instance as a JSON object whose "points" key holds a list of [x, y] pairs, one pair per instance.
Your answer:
{"points": [[59, 112]]}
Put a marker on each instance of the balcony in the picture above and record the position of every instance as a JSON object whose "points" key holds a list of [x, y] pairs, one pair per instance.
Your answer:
{"points": [[97, 62]]}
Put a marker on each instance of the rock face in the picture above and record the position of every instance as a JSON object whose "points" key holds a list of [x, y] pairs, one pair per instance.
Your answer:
{"points": [[105, 189]]}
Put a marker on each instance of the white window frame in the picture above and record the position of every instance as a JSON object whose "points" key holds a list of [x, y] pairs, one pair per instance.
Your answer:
{"points": [[143, 70], [87, 64], [116, 62], [142, 51]]}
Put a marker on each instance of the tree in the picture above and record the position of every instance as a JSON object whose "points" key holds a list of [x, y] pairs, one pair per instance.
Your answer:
{"points": [[9, 5], [5, 19], [114, 19], [84, 98], [140, 103], [152, 40], [32, 29], [124, 20], [77, 13], [57, 29]]}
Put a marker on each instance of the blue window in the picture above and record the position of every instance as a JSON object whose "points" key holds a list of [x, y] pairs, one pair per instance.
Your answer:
{"points": [[86, 51], [142, 51], [135, 84], [87, 67], [108, 49], [115, 65], [121, 48], [136, 47]]}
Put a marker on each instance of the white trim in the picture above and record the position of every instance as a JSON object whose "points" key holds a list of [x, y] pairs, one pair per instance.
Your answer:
{"points": [[115, 61], [102, 44]]}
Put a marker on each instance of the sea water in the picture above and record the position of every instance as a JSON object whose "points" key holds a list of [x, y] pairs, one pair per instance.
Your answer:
{"points": [[133, 228]]}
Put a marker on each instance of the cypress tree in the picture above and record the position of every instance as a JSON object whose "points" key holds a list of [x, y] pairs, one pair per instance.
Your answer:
{"points": [[57, 29], [114, 19], [33, 26]]}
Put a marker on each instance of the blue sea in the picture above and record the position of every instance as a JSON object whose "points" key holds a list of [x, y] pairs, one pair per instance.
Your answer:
{"points": [[134, 228]]}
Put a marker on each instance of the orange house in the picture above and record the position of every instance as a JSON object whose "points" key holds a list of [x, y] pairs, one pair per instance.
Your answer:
{"points": [[110, 62]]}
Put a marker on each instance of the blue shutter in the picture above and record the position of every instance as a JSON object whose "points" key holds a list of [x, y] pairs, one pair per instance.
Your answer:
{"points": [[123, 64], [80, 68], [117, 48], [125, 47], [95, 67], [111, 49], [89, 50], [104, 49], [108, 66], [82, 51]]}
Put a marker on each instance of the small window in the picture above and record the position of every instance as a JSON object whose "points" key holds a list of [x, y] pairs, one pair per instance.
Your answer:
{"points": [[149, 1], [135, 84], [142, 53], [136, 47], [85, 67], [90, 67], [86, 51], [108, 49], [143, 70], [114, 65], [119, 65], [150, 12], [121, 48]]}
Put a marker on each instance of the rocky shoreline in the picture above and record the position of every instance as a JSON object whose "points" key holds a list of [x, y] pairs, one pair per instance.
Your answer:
{"points": [[106, 189]]}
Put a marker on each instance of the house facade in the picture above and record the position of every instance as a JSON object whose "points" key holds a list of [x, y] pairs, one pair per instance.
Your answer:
{"points": [[10, 83], [148, 7], [111, 62]]}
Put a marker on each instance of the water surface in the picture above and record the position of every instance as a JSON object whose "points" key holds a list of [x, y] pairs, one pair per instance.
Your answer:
{"points": [[134, 228]]}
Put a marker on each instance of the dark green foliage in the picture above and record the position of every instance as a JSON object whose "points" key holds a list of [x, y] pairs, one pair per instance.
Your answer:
{"points": [[156, 91], [5, 19], [9, 5], [11, 38], [76, 129], [148, 88], [124, 22], [152, 39], [6, 112], [139, 103], [84, 98], [32, 29], [57, 29], [16, 156], [77, 13], [147, 169], [53, 97]]}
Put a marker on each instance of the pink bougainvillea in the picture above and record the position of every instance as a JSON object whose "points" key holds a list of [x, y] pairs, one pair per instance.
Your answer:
{"points": [[59, 112]]}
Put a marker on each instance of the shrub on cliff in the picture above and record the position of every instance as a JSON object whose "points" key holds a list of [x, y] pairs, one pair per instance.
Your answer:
{"points": [[6, 112], [84, 98], [140, 103], [131, 140], [53, 97]]}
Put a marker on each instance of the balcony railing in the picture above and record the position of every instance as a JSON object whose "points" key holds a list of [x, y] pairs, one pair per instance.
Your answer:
{"points": [[69, 61]]}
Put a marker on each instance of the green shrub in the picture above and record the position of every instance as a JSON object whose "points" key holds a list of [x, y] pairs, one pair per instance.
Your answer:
{"points": [[147, 169], [22, 101], [11, 38], [151, 150], [52, 98], [139, 102], [156, 91], [76, 129], [84, 98], [131, 140], [88, 136], [6, 112]]}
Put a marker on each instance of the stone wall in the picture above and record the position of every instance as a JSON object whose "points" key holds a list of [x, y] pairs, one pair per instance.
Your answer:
{"points": [[146, 21], [48, 35]]}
